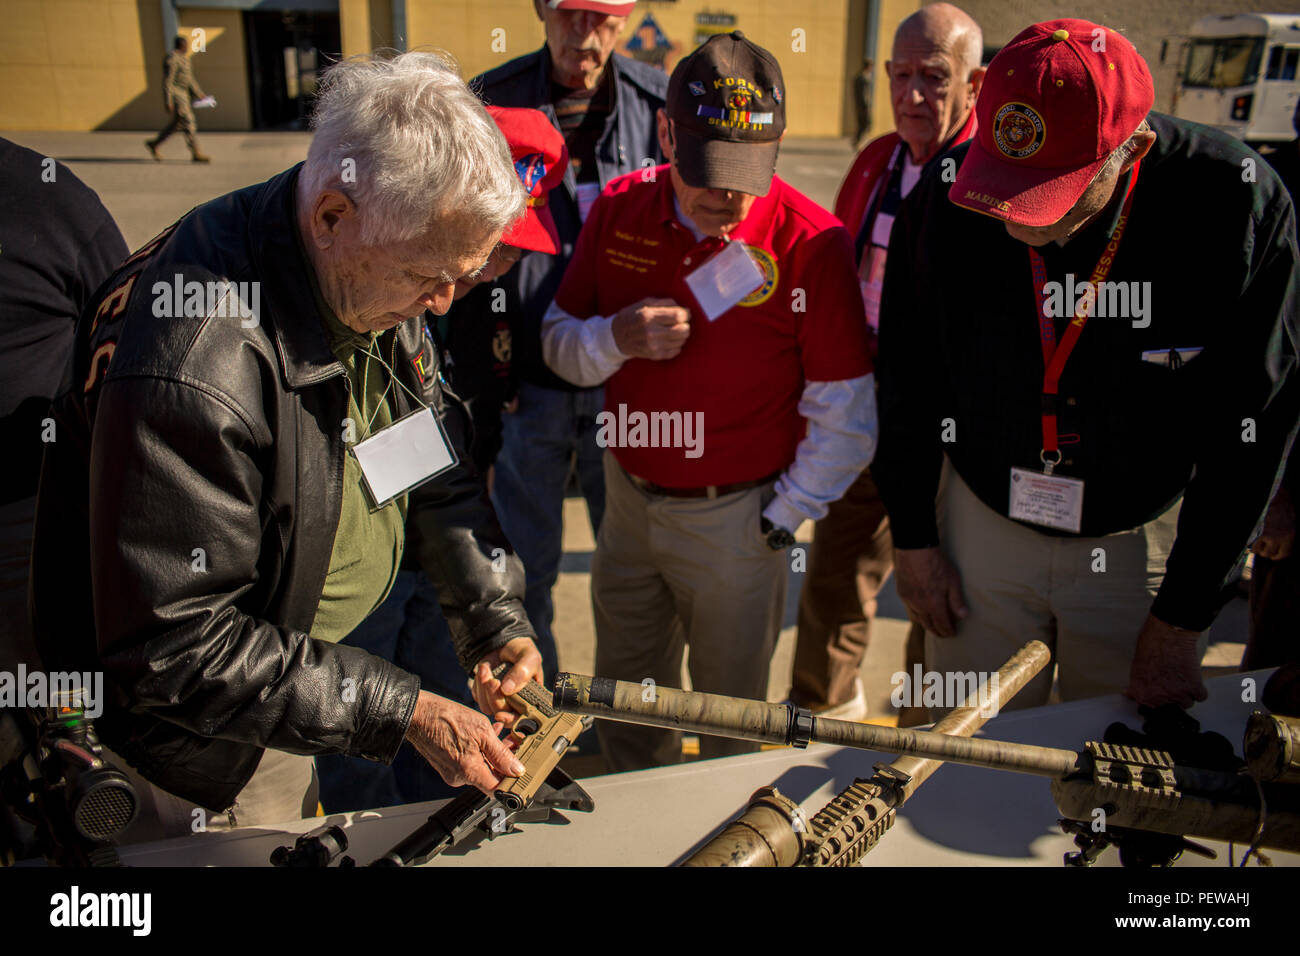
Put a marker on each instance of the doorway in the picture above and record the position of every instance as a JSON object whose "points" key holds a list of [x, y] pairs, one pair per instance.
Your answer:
{"points": [[287, 51]]}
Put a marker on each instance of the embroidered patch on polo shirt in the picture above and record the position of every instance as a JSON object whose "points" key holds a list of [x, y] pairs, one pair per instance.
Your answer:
{"points": [[766, 262]]}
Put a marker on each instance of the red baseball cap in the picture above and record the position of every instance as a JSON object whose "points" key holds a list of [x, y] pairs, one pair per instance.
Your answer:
{"points": [[1056, 102], [540, 158], [613, 8]]}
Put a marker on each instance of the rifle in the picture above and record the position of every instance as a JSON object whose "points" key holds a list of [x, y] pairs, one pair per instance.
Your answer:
{"points": [[1141, 790], [542, 733], [773, 831]]}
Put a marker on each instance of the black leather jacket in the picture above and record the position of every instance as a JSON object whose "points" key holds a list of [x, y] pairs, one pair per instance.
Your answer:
{"points": [[194, 490]]}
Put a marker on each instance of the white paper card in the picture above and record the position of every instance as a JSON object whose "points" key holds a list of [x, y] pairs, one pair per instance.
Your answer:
{"points": [[588, 193], [1052, 501], [724, 280], [403, 455]]}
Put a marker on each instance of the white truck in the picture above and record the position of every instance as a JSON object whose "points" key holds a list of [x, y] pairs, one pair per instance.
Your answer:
{"points": [[1241, 73]]}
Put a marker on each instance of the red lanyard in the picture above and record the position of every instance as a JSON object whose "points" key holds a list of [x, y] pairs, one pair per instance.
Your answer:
{"points": [[1055, 356]]}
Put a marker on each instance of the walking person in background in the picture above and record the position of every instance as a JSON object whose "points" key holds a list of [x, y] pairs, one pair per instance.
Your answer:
{"points": [[862, 101], [179, 86]]}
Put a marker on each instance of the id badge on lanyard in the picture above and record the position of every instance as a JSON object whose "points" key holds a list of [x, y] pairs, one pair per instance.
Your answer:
{"points": [[404, 455], [1043, 498], [724, 279]]}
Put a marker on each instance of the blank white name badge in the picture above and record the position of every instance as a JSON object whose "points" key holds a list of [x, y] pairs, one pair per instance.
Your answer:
{"points": [[1049, 500], [725, 279], [403, 455]]}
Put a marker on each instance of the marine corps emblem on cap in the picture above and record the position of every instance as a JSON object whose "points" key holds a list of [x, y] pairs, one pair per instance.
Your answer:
{"points": [[738, 100], [1018, 131]]}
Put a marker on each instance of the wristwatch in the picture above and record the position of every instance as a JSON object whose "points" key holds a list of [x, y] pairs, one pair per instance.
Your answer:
{"points": [[778, 539]]}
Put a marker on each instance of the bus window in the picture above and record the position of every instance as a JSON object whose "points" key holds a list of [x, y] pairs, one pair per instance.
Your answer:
{"points": [[1282, 63]]}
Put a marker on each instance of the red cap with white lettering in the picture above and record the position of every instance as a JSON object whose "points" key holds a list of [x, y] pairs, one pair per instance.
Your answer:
{"points": [[1056, 102]]}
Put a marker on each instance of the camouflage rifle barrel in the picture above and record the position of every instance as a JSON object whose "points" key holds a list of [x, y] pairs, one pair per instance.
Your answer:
{"points": [[774, 832], [1272, 747], [743, 719]]}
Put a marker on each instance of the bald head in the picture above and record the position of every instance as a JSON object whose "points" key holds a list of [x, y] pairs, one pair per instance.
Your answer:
{"points": [[934, 74], [945, 27]]}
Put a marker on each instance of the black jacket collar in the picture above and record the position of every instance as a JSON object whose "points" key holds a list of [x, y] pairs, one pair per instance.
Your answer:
{"points": [[299, 335]]}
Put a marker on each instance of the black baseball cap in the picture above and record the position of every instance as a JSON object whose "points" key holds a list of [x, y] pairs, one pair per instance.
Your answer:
{"points": [[727, 104]]}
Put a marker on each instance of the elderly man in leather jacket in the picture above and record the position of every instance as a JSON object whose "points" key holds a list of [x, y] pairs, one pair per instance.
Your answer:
{"points": [[206, 528]]}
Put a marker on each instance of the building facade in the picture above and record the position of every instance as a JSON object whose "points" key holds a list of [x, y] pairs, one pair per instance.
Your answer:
{"points": [[97, 64]]}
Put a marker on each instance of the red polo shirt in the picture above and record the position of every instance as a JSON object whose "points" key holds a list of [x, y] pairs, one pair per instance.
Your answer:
{"points": [[746, 370]]}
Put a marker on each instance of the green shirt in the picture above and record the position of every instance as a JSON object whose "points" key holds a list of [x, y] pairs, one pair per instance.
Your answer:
{"points": [[368, 543]]}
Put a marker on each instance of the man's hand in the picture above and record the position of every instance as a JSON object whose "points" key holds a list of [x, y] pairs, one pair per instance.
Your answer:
{"points": [[1277, 539], [490, 693], [930, 587], [652, 329], [1166, 666], [460, 744]]}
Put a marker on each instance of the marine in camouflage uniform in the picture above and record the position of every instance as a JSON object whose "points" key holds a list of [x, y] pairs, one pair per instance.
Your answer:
{"points": [[178, 88]]}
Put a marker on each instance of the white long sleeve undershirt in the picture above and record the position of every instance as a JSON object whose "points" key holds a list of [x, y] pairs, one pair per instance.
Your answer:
{"points": [[841, 416]]}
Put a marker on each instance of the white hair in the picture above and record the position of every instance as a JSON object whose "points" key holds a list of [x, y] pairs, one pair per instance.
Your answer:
{"points": [[407, 141]]}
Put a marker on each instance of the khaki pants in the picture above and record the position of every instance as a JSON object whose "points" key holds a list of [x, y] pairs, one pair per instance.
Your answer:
{"points": [[672, 571], [182, 119], [1020, 585], [282, 788]]}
